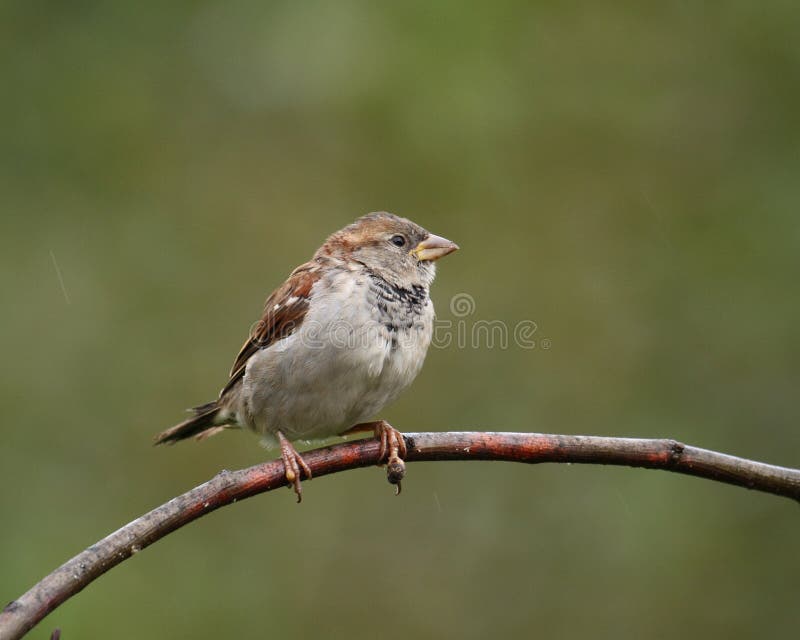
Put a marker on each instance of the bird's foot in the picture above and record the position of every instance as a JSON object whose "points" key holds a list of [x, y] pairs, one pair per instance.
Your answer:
{"points": [[393, 445], [392, 451], [393, 448], [293, 464]]}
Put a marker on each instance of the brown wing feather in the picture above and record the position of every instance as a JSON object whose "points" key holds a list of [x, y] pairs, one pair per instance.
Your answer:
{"points": [[284, 311]]}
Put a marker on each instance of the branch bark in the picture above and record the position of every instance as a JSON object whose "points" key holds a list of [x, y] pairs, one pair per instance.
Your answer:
{"points": [[20, 615]]}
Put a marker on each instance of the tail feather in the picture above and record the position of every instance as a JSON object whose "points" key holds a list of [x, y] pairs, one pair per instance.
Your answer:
{"points": [[205, 422]]}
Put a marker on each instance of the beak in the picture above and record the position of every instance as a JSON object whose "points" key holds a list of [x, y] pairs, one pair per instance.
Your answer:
{"points": [[433, 247]]}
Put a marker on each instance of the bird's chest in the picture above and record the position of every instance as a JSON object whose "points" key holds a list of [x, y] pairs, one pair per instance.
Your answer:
{"points": [[379, 332], [403, 321], [372, 341]]}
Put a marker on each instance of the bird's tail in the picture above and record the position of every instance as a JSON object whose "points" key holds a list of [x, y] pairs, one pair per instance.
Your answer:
{"points": [[205, 422]]}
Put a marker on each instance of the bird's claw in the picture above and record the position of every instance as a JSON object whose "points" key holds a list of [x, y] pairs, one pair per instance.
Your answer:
{"points": [[393, 450], [395, 470], [294, 466]]}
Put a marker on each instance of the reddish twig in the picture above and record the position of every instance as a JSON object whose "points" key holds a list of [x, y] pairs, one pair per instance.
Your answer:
{"points": [[227, 487]]}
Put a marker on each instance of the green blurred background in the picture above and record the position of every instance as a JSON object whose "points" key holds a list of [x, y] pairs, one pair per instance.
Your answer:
{"points": [[626, 175]]}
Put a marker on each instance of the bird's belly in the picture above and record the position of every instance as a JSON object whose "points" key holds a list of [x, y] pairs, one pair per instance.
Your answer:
{"points": [[316, 388]]}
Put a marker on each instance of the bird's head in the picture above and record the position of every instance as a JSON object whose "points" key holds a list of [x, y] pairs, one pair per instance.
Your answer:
{"points": [[397, 249]]}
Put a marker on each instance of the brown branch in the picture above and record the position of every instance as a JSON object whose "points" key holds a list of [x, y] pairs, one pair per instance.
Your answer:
{"points": [[227, 487]]}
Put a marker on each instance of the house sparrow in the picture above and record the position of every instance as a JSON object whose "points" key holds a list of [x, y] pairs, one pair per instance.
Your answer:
{"points": [[339, 340]]}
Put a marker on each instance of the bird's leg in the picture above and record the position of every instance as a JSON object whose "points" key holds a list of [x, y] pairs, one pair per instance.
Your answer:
{"points": [[393, 449], [293, 463]]}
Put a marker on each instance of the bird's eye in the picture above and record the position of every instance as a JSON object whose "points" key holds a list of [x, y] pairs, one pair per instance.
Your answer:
{"points": [[398, 241]]}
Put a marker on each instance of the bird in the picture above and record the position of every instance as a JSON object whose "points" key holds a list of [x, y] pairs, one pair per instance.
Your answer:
{"points": [[340, 339]]}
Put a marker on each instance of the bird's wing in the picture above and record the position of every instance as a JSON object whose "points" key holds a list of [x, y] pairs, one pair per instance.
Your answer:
{"points": [[284, 312]]}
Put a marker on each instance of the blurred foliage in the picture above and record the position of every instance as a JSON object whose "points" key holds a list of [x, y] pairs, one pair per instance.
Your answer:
{"points": [[624, 174]]}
